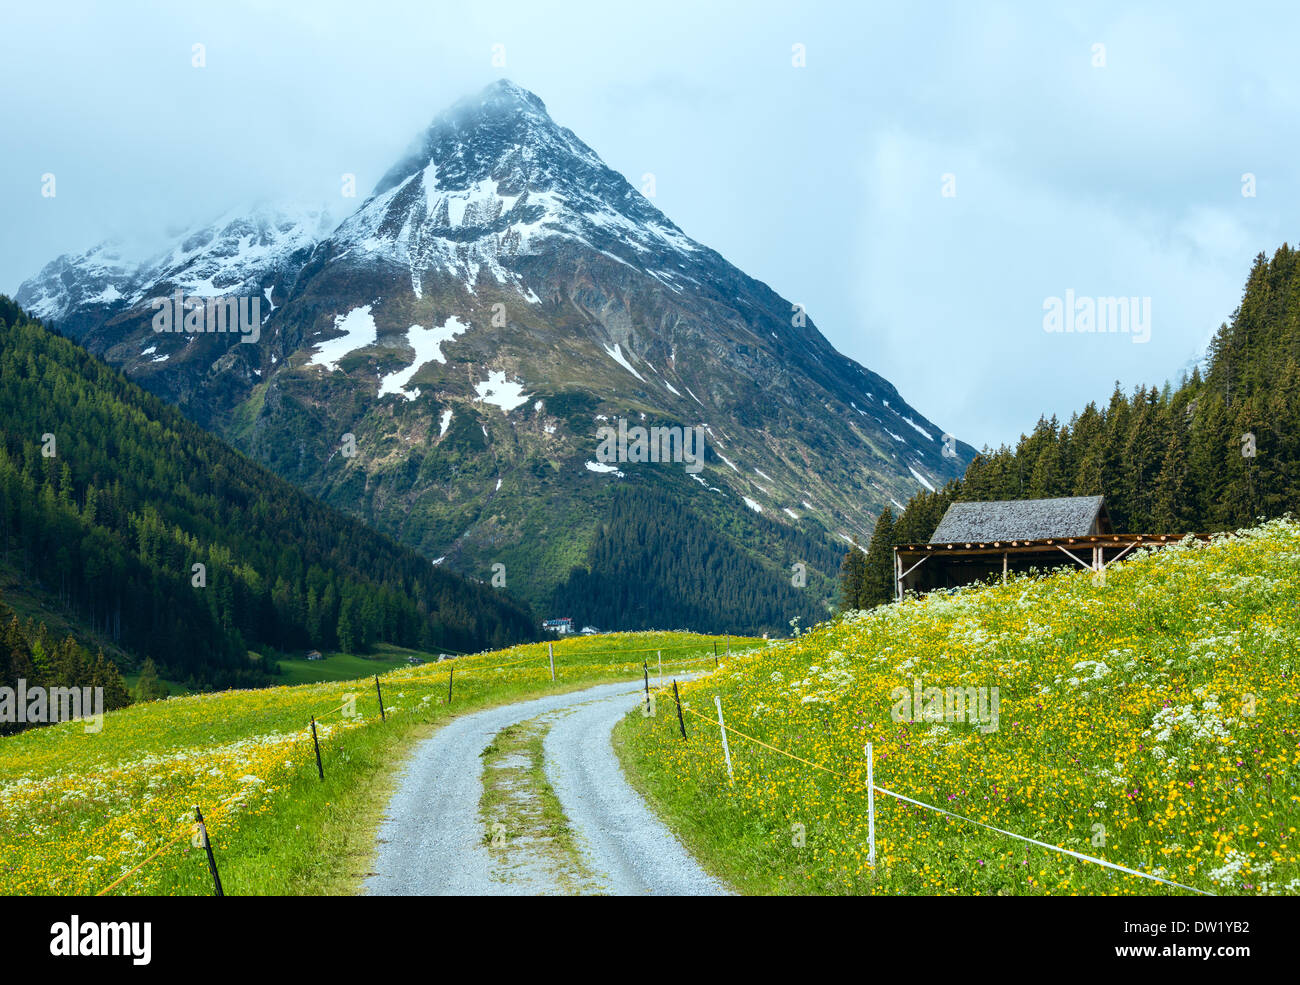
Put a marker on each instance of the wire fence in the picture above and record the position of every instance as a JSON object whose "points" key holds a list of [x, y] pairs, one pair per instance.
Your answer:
{"points": [[871, 788], [412, 677]]}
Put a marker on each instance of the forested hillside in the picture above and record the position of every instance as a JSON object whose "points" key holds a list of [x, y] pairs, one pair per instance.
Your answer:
{"points": [[110, 498], [1214, 453], [652, 556]]}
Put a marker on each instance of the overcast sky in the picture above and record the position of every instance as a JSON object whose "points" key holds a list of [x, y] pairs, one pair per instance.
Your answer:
{"points": [[1109, 171]]}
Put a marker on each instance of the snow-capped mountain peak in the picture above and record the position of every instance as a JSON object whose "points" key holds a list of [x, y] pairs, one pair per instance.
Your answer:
{"points": [[503, 132], [239, 252], [487, 182], [499, 297]]}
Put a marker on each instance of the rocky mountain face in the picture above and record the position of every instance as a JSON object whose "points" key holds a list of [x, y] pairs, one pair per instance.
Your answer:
{"points": [[441, 362]]}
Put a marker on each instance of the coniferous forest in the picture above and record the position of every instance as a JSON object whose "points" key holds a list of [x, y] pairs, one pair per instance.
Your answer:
{"points": [[650, 557], [110, 499], [1215, 452]]}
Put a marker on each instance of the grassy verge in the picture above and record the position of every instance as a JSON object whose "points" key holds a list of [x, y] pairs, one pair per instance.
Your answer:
{"points": [[721, 839], [524, 824]]}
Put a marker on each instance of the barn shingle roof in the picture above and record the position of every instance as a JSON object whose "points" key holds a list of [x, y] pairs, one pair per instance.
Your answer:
{"points": [[1020, 519]]}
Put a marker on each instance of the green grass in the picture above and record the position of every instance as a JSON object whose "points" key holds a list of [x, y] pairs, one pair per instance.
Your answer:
{"points": [[335, 666], [1148, 720], [78, 810]]}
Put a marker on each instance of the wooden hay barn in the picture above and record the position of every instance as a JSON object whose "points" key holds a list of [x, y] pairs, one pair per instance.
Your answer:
{"points": [[977, 540]]}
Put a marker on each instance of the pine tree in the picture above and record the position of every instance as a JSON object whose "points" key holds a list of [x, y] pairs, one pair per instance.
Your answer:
{"points": [[853, 577], [347, 630], [1174, 507], [878, 578], [150, 687]]}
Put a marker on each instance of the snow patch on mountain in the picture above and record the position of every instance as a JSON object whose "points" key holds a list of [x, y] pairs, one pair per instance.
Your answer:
{"points": [[501, 392], [107, 296], [616, 354], [427, 343], [701, 481], [359, 331], [928, 435]]}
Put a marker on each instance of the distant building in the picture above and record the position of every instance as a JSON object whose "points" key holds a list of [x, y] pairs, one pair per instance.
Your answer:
{"points": [[314, 655], [560, 626], [977, 540]]}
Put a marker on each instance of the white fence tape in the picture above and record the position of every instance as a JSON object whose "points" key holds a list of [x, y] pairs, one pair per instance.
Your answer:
{"points": [[1043, 844]]}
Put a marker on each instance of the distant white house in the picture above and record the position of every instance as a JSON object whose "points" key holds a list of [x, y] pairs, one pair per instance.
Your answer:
{"points": [[314, 655], [561, 626]]}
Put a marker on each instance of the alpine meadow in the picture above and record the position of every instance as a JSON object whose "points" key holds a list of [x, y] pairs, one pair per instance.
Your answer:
{"points": [[535, 450]]}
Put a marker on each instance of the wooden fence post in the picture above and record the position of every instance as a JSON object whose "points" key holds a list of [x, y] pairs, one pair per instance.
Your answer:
{"points": [[647, 683], [450, 677], [681, 722], [316, 742], [207, 844], [382, 715], [550, 651]]}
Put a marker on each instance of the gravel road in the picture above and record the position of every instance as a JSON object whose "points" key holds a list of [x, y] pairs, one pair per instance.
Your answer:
{"points": [[622, 841], [431, 842]]}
